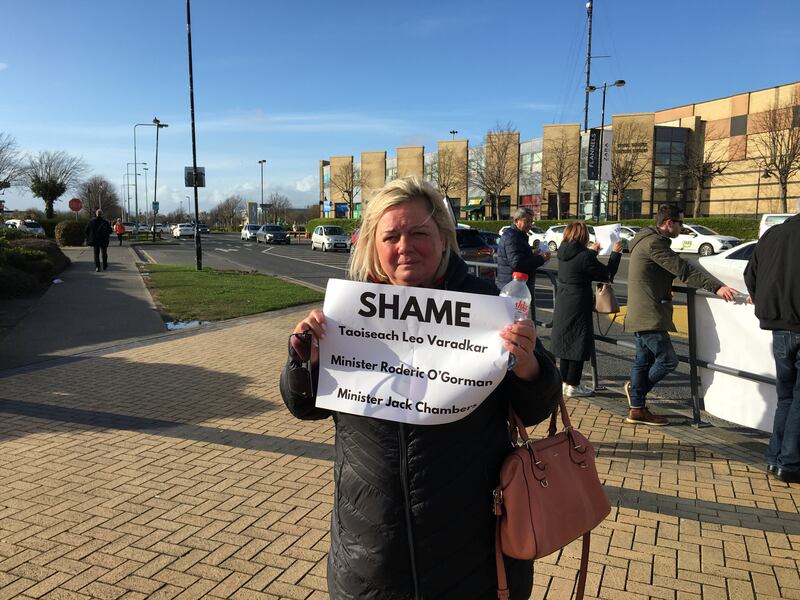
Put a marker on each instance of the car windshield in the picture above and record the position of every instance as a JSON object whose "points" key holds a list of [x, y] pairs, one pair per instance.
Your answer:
{"points": [[332, 231], [271, 228], [776, 220], [251, 227], [704, 230], [469, 238], [31, 224]]}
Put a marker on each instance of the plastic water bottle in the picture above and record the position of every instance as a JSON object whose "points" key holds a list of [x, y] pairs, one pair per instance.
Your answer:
{"points": [[517, 289]]}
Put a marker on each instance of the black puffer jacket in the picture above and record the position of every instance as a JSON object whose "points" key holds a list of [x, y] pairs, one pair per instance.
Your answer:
{"points": [[412, 516], [515, 254], [573, 335]]}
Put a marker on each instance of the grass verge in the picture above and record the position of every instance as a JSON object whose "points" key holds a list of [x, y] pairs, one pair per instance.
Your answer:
{"points": [[185, 294]]}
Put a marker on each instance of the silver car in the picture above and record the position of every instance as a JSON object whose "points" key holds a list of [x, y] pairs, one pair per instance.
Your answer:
{"points": [[249, 231], [272, 234]]}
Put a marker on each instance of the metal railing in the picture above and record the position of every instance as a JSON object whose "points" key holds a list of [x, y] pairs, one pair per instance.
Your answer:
{"points": [[692, 360]]}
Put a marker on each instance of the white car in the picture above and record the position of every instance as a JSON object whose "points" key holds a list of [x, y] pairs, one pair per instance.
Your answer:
{"points": [[729, 266], [554, 235], [249, 231], [161, 228], [183, 229], [330, 237], [535, 235], [27, 225], [770, 220], [702, 240]]}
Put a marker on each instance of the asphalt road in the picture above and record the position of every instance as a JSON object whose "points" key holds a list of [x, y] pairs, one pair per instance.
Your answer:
{"points": [[298, 262]]}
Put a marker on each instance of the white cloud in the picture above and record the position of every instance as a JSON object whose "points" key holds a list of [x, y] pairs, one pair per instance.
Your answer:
{"points": [[306, 184]]}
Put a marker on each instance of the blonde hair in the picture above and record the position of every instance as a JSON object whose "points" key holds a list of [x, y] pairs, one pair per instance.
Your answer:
{"points": [[577, 232], [365, 265]]}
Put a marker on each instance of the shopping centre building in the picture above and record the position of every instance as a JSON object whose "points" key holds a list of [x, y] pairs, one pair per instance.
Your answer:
{"points": [[649, 156]]}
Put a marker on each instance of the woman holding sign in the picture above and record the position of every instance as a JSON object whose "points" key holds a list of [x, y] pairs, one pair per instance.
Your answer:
{"points": [[412, 505], [573, 333]]}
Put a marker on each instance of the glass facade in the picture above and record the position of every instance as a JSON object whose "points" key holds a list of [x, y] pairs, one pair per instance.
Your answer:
{"points": [[391, 169], [669, 164]]}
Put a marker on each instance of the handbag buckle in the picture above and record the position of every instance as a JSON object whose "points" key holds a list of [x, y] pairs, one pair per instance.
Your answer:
{"points": [[498, 502]]}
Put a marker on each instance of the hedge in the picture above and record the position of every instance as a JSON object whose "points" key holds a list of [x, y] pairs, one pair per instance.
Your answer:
{"points": [[27, 264], [70, 233], [742, 228]]}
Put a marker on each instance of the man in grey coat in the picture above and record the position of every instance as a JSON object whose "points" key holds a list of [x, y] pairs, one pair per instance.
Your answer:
{"points": [[653, 265]]}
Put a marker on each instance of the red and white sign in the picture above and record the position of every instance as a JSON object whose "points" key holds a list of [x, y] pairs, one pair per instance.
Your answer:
{"points": [[75, 204]]}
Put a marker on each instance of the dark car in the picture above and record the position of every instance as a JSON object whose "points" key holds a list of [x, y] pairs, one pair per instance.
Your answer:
{"points": [[474, 249], [272, 234], [490, 239], [202, 227]]}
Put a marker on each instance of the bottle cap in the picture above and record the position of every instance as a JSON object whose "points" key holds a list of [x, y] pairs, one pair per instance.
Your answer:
{"points": [[519, 275]]}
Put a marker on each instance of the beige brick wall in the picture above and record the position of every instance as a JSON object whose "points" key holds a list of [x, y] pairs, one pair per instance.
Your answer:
{"points": [[373, 173], [552, 140], [410, 161]]}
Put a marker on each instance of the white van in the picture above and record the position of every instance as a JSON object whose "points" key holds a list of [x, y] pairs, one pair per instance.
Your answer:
{"points": [[769, 220]]}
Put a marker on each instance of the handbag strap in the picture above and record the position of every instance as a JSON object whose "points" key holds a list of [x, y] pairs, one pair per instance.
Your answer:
{"points": [[517, 429], [502, 581]]}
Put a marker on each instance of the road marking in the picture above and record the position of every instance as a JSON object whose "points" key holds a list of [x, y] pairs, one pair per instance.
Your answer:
{"points": [[310, 262], [226, 249], [265, 250]]}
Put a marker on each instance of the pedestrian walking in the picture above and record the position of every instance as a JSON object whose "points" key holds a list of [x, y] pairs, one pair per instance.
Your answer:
{"points": [[572, 338], [411, 513], [119, 229], [98, 235], [772, 280], [653, 265], [514, 253]]}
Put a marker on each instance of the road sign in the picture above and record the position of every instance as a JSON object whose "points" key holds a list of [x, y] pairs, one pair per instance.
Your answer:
{"points": [[75, 204], [194, 179], [155, 207]]}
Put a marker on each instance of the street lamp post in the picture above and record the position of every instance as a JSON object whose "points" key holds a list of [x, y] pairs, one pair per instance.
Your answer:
{"points": [[262, 162], [591, 88], [159, 126], [453, 132], [128, 192]]}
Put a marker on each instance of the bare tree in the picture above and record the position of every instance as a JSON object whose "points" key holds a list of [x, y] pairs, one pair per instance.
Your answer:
{"points": [[49, 174], [11, 166], [777, 142], [704, 163], [447, 171], [562, 165], [493, 167], [278, 205], [228, 212], [347, 181], [98, 192], [629, 158]]}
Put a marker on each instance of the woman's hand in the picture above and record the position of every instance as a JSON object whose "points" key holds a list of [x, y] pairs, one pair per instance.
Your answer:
{"points": [[315, 323], [594, 246], [520, 340], [617, 247]]}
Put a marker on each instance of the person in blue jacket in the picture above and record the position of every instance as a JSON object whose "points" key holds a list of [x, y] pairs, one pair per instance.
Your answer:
{"points": [[514, 254]]}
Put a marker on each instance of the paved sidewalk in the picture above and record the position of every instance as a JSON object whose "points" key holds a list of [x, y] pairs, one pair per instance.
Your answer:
{"points": [[170, 469], [86, 311]]}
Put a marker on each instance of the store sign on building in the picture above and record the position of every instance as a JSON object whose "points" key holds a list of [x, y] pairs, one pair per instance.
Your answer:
{"points": [[598, 161]]}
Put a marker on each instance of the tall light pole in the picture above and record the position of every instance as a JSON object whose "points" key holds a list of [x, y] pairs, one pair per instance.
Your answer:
{"points": [[128, 193], [453, 132], [262, 162], [146, 203], [159, 126], [591, 88], [197, 246]]}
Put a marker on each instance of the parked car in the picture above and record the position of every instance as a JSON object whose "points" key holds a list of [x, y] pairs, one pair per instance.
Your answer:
{"points": [[353, 239], [27, 225], [472, 246], [183, 229], [770, 220], [701, 239], [535, 235], [249, 231], [728, 266], [272, 234], [202, 227], [554, 235], [330, 237], [130, 228], [490, 239], [161, 228], [626, 234]]}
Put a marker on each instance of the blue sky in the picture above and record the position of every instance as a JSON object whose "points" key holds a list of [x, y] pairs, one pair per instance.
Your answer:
{"points": [[296, 82]]}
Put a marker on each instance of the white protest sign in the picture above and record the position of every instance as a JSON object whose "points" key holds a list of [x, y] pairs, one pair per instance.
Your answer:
{"points": [[408, 354], [606, 236]]}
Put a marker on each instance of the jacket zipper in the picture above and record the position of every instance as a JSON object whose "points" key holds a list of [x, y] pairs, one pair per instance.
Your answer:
{"points": [[407, 503]]}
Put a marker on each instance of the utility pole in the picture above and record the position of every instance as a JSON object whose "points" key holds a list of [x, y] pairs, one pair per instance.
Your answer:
{"points": [[588, 66]]}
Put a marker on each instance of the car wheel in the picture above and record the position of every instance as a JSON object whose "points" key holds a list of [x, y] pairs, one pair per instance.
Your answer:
{"points": [[706, 250], [553, 246], [312, 246], [324, 249]]}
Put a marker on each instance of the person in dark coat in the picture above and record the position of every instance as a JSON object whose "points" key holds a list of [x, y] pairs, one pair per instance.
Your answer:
{"points": [[98, 234], [411, 509], [514, 254], [573, 335]]}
